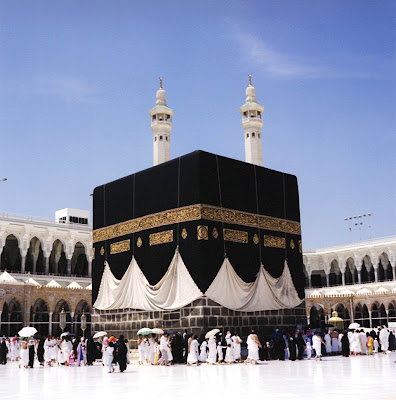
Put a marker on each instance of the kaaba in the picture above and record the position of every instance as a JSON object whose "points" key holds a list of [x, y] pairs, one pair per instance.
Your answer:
{"points": [[207, 209]]}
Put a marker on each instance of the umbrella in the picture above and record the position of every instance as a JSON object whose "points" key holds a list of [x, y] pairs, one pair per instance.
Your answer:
{"points": [[37, 336], [355, 325], [212, 333], [157, 331], [27, 331], [99, 334], [144, 331], [65, 334], [172, 332]]}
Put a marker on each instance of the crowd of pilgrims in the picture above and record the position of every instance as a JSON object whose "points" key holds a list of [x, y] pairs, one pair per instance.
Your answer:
{"points": [[175, 348]]}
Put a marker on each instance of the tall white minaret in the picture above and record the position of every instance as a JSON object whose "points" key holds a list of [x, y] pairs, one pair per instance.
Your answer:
{"points": [[161, 125], [252, 123]]}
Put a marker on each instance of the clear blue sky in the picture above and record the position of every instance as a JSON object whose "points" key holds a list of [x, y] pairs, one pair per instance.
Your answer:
{"points": [[78, 78]]}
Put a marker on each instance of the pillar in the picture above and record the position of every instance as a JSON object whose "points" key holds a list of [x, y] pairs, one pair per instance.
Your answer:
{"points": [[90, 270], [72, 322], [359, 276], [327, 280], [308, 319], [34, 265], [375, 273], [46, 260], [387, 318], [0, 320], [69, 264], [394, 272], [23, 263], [50, 323], [343, 277], [371, 320]]}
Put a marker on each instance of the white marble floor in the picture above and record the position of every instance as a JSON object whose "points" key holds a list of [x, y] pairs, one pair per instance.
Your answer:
{"points": [[364, 377]]}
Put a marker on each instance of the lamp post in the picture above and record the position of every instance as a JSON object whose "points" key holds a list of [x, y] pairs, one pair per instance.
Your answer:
{"points": [[62, 319], [83, 322]]}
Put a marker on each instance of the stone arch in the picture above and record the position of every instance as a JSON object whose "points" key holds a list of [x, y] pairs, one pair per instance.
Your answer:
{"points": [[384, 264], [35, 261], [11, 256], [59, 306], [15, 316], [392, 311], [39, 316], [83, 307], [367, 273], [378, 314], [335, 273], [318, 277], [58, 261], [362, 315], [79, 261], [350, 271], [317, 316]]}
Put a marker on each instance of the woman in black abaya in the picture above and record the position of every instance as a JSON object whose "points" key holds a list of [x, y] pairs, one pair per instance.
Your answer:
{"points": [[345, 345], [91, 351], [122, 354]]}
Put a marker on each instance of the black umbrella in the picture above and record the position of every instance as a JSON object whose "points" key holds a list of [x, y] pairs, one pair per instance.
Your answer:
{"points": [[37, 336], [172, 332]]}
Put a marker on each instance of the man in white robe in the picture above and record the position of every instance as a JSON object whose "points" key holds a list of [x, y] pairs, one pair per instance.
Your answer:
{"points": [[384, 340], [54, 349], [363, 340], [48, 351], [212, 350], [253, 344]]}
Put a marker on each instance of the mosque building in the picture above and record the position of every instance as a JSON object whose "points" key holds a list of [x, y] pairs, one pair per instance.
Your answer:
{"points": [[46, 268], [192, 243]]}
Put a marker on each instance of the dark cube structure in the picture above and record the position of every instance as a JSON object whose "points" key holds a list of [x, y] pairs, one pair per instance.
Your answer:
{"points": [[209, 206]]}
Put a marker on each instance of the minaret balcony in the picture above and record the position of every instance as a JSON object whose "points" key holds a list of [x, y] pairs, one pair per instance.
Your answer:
{"points": [[253, 121]]}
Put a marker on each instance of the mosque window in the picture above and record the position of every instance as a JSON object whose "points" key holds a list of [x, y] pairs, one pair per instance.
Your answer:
{"points": [[247, 135], [154, 117], [160, 138], [167, 117], [166, 138], [259, 114], [155, 138], [259, 136], [253, 134]]}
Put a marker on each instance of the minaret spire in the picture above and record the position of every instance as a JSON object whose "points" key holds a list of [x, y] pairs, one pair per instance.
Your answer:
{"points": [[161, 125], [252, 123]]}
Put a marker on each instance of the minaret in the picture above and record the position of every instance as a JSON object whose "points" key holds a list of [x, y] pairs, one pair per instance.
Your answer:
{"points": [[161, 125], [252, 123]]}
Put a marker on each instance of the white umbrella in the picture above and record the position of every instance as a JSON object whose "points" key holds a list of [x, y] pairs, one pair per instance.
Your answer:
{"points": [[157, 331], [212, 333], [65, 334], [354, 325], [27, 331], [144, 331], [99, 334]]}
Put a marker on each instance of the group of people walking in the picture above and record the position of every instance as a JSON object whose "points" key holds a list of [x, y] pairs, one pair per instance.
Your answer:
{"points": [[173, 347], [193, 350]]}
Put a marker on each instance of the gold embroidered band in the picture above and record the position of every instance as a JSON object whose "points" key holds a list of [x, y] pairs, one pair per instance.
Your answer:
{"points": [[120, 247], [194, 213], [274, 241], [232, 235], [161, 237]]}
